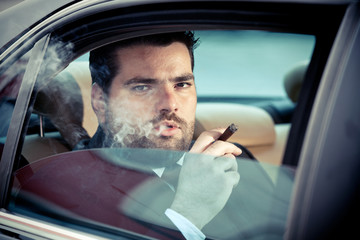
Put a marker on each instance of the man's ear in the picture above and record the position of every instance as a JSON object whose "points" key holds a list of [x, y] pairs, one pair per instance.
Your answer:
{"points": [[98, 102]]}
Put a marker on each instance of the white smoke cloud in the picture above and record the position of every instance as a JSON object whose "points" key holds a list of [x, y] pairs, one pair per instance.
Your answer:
{"points": [[57, 55], [129, 120]]}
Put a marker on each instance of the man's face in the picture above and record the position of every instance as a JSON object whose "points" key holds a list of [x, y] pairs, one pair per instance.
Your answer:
{"points": [[152, 100]]}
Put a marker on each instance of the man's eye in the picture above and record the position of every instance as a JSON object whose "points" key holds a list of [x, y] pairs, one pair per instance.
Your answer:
{"points": [[140, 88], [183, 85]]}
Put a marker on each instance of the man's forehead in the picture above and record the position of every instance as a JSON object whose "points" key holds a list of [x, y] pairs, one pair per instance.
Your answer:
{"points": [[143, 56], [146, 61], [144, 48]]}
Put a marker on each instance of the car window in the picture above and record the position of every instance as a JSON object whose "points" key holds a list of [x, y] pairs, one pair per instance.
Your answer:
{"points": [[240, 78], [258, 72]]}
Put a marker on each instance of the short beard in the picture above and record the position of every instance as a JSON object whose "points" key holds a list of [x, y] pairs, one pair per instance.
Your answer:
{"points": [[134, 136]]}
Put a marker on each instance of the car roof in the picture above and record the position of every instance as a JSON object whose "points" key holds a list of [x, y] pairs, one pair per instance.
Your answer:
{"points": [[16, 18]]}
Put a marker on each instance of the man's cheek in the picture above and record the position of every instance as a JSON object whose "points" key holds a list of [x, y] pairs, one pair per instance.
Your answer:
{"points": [[135, 118], [128, 110]]}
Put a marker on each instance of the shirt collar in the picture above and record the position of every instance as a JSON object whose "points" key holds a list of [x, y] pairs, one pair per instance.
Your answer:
{"points": [[160, 171]]}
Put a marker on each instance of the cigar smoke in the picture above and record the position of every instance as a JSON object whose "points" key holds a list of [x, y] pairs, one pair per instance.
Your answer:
{"points": [[133, 125]]}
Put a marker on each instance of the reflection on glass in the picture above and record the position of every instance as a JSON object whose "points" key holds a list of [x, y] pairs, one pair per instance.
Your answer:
{"points": [[127, 189]]}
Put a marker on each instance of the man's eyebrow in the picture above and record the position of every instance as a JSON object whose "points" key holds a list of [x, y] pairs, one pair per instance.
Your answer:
{"points": [[137, 80], [142, 80], [185, 77]]}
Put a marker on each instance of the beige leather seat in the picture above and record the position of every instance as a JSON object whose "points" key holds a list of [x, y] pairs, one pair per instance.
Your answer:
{"points": [[257, 130], [36, 147]]}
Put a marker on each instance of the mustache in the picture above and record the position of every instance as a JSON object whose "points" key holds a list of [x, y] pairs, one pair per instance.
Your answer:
{"points": [[169, 117]]}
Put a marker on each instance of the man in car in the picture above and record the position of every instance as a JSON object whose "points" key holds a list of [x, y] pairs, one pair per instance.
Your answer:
{"points": [[144, 96]]}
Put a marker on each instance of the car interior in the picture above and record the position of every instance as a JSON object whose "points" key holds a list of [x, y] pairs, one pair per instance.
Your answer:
{"points": [[258, 132]]}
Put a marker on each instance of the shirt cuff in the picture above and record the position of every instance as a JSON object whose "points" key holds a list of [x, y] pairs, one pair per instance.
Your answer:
{"points": [[188, 230]]}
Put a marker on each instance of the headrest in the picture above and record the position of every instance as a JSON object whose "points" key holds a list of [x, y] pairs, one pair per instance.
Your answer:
{"points": [[80, 71], [60, 100], [293, 80], [65, 100], [255, 125]]}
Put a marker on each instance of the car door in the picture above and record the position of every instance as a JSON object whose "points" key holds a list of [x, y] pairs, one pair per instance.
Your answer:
{"points": [[83, 26]]}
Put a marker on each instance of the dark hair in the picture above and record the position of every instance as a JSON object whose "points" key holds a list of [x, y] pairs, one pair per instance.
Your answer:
{"points": [[103, 66]]}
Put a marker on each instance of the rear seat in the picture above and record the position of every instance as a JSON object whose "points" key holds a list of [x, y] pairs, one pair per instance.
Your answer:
{"points": [[257, 130], [36, 147]]}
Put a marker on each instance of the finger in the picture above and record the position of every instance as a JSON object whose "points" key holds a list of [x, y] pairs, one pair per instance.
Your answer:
{"points": [[229, 155], [205, 139], [227, 163], [220, 148]]}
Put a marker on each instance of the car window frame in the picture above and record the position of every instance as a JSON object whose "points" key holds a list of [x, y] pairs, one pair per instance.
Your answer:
{"points": [[327, 194], [18, 121]]}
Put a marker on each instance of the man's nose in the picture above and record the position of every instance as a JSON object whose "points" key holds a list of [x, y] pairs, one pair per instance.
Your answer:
{"points": [[167, 101]]}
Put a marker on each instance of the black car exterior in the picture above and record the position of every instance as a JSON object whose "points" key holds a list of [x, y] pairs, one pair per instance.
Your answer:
{"points": [[323, 143]]}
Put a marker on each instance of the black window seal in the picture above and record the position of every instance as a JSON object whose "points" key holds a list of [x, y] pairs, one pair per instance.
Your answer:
{"points": [[20, 114]]}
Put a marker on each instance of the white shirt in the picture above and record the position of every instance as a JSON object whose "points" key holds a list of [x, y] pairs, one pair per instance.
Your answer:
{"points": [[187, 228]]}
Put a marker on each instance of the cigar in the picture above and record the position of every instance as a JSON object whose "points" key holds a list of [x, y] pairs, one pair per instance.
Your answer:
{"points": [[228, 132]]}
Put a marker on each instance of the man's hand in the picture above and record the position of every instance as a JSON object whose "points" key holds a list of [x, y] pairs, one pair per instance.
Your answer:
{"points": [[206, 182]]}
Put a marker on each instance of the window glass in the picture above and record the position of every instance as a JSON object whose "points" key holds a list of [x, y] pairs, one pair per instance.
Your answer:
{"points": [[112, 190], [116, 189]]}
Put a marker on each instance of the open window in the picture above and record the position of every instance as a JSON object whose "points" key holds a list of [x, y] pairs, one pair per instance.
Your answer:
{"points": [[232, 69]]}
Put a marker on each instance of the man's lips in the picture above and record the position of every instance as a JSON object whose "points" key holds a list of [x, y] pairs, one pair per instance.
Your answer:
{"points": [[167, 128]]}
